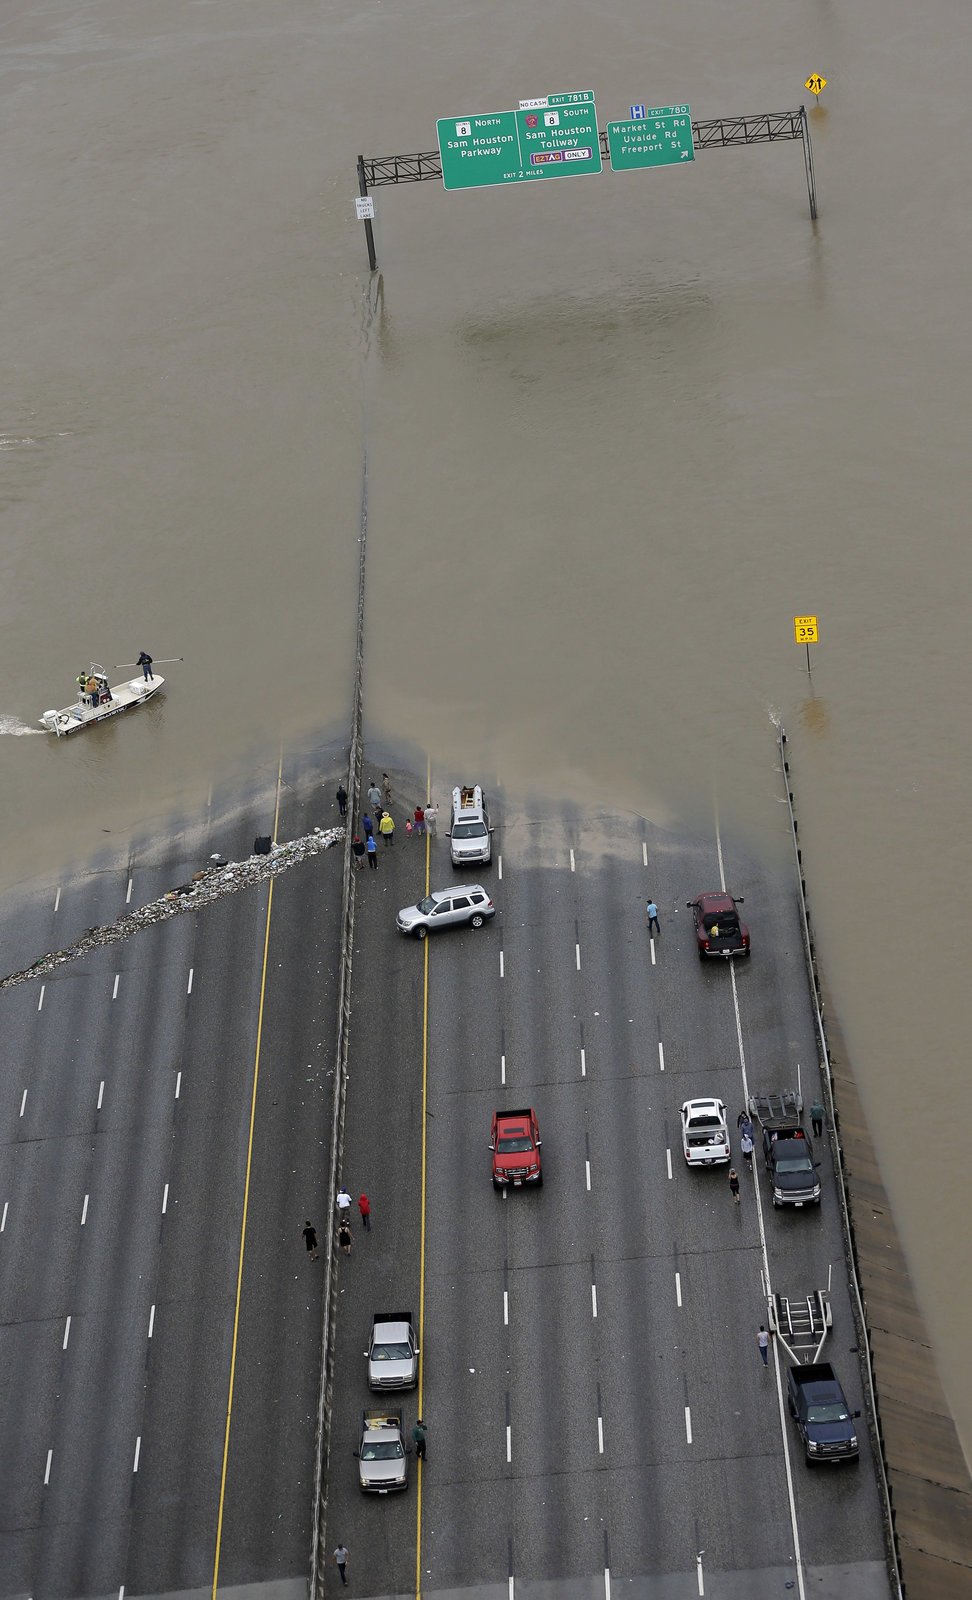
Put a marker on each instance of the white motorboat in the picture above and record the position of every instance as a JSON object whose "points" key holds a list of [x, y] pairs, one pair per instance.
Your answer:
{"points": [[97, 700]]}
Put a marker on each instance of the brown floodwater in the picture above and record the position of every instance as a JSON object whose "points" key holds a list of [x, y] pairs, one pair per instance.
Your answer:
{"points": [[619, 431]]}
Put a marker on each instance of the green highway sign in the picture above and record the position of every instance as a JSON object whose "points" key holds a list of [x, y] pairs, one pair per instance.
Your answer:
{"points": [[555, 136], [662, 138]]}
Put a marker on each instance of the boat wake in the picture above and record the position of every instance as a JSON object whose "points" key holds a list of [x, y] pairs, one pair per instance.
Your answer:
{"points": [[16, 727]]}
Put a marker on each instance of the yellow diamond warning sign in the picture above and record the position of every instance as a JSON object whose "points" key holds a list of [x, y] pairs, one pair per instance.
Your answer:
{"points": [[815, 83]]}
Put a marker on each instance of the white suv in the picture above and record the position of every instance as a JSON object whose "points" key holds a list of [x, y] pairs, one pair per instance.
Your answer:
{"points": [[705, 1134], [470, 830]]}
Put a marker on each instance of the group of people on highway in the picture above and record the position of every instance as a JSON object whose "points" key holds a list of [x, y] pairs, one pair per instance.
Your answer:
{"points": [[379, 822]]}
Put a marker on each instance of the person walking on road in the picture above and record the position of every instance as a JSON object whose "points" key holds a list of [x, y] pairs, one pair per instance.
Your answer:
{"points": [[374, 796], [763, 1339], [744, 1123], [341, 1558], [310, 1239], [372, 851], [343, 1202], [746, 1146], [652, 911], [386, 789], [358, 851], [386, 828], [418, 1438], [342, 799], [344, 1237], [419, 818], [364, 1206], [816, 1119], [367, 825], [734, 1184], [431, 814]]}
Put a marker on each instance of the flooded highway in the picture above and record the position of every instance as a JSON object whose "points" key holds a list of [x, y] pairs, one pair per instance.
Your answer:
{"points": [[617, 433]]}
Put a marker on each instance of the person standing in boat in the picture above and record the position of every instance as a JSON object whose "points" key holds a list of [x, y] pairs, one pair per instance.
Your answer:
{"points": [[145, 662]]}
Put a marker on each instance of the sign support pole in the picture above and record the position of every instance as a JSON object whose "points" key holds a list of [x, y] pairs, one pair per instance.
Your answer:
{"points": [[809, 673], [368, 228], [808, 163]]}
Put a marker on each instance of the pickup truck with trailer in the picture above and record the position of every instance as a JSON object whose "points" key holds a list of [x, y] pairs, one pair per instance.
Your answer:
{"points": [[469, 829], [824, 1420], [787, 1150], [392, 1351], [382, 1456], [515, 1142]]}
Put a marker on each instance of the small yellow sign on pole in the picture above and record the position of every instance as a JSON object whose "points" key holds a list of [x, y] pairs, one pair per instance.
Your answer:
{"points": [[815, 83], [805, 632]]}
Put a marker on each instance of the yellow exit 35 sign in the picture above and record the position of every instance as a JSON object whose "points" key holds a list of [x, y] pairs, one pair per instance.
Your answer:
{"points": [[805, 630], [815, 83]]}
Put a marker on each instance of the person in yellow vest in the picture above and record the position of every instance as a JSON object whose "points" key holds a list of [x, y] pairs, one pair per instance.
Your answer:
{"points": [[386, 828]]}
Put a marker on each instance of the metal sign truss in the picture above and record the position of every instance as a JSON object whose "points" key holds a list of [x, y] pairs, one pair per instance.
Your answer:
{"points": [[768, 127]]}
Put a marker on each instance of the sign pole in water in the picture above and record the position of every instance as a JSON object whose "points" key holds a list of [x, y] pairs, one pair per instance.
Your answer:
{"points": [[365, 215], [805, 631], [816, 85]]}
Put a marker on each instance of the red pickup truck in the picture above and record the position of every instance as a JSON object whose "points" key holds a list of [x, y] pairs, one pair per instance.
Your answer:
{"points": [[515, 1144]]}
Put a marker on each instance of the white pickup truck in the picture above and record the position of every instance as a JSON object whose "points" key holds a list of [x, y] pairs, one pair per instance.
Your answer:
{"points": [[705, 1133]]}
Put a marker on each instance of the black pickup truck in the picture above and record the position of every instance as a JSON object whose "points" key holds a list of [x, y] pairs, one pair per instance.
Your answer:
{"points": [[821, 1413], [787, 1149]]}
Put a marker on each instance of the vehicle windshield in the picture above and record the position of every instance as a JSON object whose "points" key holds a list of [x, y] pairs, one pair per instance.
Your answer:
{"points": [[697, 1123], [794, 1164], [382, 1452], [391, 1352], [469, 830], [511, 1144], [834, 1412], [427, 905]]}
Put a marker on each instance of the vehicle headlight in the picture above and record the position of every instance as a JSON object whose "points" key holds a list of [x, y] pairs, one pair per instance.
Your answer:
{"points": [[812, 1447], [777, 1193], [816, 1191], [853, 1441]]}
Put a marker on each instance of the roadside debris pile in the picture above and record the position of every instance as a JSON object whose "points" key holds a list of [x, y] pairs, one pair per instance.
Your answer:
{"points": [[216, 880]]}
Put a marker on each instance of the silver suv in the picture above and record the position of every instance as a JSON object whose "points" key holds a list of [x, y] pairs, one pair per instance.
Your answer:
{"points": [[444, 908], [470, 830]]}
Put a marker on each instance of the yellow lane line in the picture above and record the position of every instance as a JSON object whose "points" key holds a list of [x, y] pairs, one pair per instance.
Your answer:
{"points": [[425, 1099], [246, 1206]]}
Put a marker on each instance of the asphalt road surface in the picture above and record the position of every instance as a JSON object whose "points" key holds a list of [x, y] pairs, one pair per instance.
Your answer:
{"points": [[599, 1420], [125, 1111]]}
